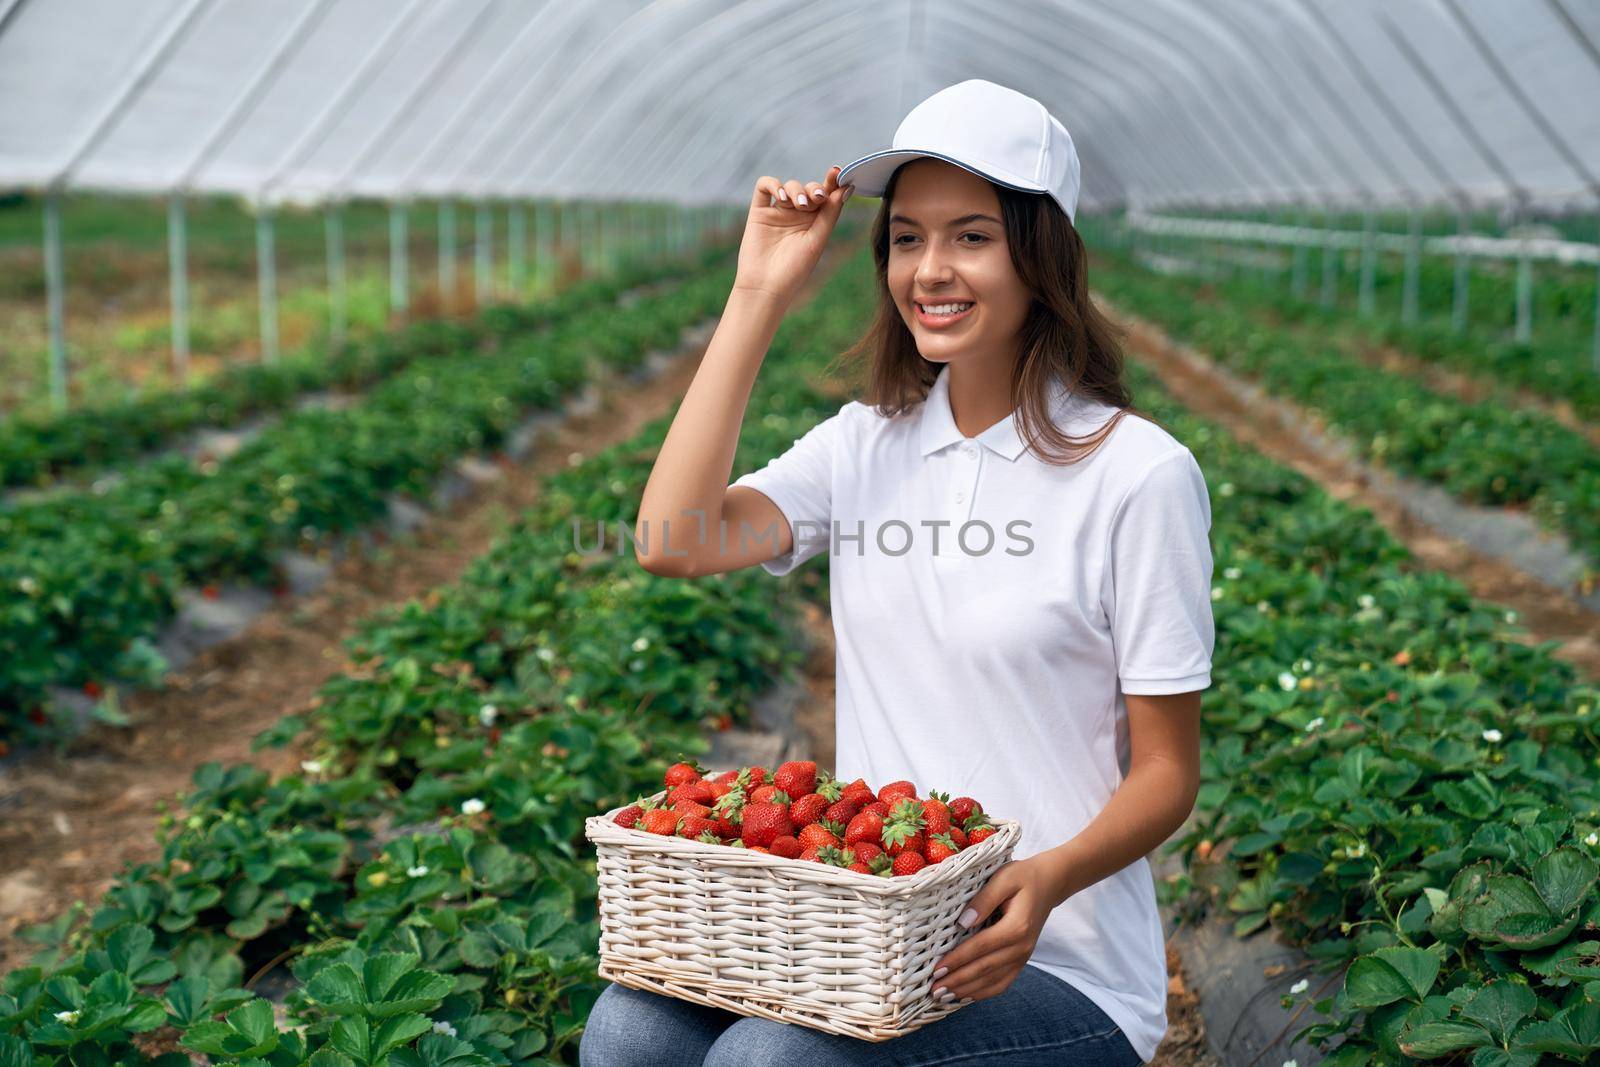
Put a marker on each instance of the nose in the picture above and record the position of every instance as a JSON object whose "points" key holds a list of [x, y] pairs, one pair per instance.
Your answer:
{"points": [[932, 270]]}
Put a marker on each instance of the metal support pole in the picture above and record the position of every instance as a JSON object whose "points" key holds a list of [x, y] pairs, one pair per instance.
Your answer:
{"points": [[1458, 301], [1330, 265], [178, 271], [1297, 273], [541, 246], [399, 259], [267, 275], [55, 300], [1524, 298], [1596, 352], [516, 248], [1409, 295], [562, 224], [447, 253], [483, 253], [333, 219], [1369, 265]]}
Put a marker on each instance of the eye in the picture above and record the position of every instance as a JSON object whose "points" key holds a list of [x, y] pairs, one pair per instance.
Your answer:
{"points": [[969, 233]]}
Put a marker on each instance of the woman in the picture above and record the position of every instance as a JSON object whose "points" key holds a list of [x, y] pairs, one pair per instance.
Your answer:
{"points": [[1051, 667]]}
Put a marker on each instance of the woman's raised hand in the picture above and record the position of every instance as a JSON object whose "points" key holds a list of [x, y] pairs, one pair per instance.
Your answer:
{"points": [[788, 228]]}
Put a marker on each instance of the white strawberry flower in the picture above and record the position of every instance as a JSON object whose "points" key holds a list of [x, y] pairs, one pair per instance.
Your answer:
{"points": [[1511, 616], [441, 1027], [1300, 986], [487, 714], [1287, 681], [28, 584], [1366, 600], [68, 1017], [1492, 736], [1226, 489], [546, 654], [1232, 573], [472, 807], [1216, 592], [1304, 666], [640, 644], [1315, 724], [1592, 840], [1357, 850], [311, 766], [1291, 1063], [417, 871], [1262, 606]]}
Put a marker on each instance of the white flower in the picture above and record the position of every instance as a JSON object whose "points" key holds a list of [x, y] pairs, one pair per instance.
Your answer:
{"points": [[1216, 592], [1511, 616], [1359, 849], [1300, 986], [1592, 840], [641, 644], [311, 766], [417, 871], [444, 1028], [1232, 573], [68, 1017], [1314, 724], [1291, 1063], [1492, 736], [1304, 666], [487, 714], [1226, 488], [1366, 600], [546, 654], [28, 585], [472, 807], [1262, 606], [1287, 681]]}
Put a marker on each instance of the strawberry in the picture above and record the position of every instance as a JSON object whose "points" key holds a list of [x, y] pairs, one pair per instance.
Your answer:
{"points": [[718, 789], [797, 777], [760, 848], [679, 773], [630, 815], [829, 787], [961, 809], [936, 813], [940, 848], [769, 794], [903, 831], [808, 809], [835, 856], [726, 777], [663, 821], [879, 807], [765, 822], [908, 863], [897, 791], [92, 689], [867, 851], [868, 826], [817, 835], [859, 866], [210, 592], [729, 812], [758, 775], [979, 829], [842, 812], [697, 826], [687, 808], [859, 791], [959, 836], [710, 837], [787, 847], [697, 790], [37, 717], [879, 864], [809, 855]]}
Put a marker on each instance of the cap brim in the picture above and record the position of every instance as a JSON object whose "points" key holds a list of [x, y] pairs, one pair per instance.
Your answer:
{"points": [[870, 174]]}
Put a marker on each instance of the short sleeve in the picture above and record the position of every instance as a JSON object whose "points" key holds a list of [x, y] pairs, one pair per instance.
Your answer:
{"points": [[800, 483], [1157, 588]]}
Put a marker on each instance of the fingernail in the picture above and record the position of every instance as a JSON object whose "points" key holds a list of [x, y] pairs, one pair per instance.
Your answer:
{"points": [[801, 200], [940, 993], [783, 194], [968, 917], [940, 973], [946, 996]]}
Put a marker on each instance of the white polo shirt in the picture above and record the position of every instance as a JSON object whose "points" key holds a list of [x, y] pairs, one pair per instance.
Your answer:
{"points": [[990, 611]]}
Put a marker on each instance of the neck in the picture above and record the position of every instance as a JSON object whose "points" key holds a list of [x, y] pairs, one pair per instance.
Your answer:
{"points": [[980, 393]]}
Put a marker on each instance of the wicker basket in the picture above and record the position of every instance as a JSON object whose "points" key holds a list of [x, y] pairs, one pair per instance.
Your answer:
{"points": [[781, 939]]}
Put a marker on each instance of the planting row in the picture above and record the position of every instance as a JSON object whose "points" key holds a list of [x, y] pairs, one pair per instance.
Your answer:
{"points": [[87, 580], [36, 449], [421, 879], [1484, 452]]}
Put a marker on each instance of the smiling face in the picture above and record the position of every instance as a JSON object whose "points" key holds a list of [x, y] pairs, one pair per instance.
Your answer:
{"points": [[947, 244]]}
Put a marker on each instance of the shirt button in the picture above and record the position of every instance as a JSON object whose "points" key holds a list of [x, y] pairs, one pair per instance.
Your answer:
{"points": [[968, 450], [960, 495]]}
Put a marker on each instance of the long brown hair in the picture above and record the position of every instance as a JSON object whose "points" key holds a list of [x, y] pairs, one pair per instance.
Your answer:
{"points": [[1064, 334]]}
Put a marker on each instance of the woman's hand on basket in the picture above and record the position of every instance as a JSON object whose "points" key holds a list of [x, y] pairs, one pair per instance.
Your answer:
{"points": [[986, 964], [787, 229]]}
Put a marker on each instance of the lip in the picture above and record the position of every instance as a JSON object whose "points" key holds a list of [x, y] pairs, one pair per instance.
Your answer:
{"points": [[942, 322]]}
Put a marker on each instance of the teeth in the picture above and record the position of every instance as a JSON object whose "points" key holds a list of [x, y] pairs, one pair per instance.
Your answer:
{"points": [[945, 309]]}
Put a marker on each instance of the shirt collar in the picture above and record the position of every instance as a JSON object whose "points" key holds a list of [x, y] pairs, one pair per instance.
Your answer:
{"points": [[939, 429]]}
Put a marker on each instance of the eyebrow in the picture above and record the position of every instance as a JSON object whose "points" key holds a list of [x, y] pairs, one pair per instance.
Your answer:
{"points": [[962, 221]]}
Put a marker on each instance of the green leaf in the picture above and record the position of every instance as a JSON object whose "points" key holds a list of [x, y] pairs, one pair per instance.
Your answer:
{"points": [[1436, 1039], [14, 1052], [351, 1037], [1499, 1007], [1390, 974], [398, 1031], [338, 988], [253, 1020], [1564, 878], [415, 991], [383, 970]]}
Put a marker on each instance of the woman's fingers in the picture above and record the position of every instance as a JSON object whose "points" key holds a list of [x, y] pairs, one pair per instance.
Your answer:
{"points": [[804, 196]]}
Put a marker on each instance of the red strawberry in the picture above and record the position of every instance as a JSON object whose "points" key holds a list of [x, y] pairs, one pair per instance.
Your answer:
{"points": [[690, 809], [723, 722], [695, 826], [961, 809], [936, 813], [758, 775], [797, 777], [859, 866], [817, 835], [210, 592], [908, 863], [697, 790], [726, 777], [959, 836], [835, 856], [769, 794], [867, 851], [718, 789], [809, 855], [765, 822], [830, 787], [663, 821], [787, 847], [868, 826], [808, 809], [710, 837], [92, 689], [858, 791], [903, 831], [760, 848], [879, 807], [897, 791], [940, 848], [37, 716], [979, 833], [630, 815], [729, 813], [842, 812], [679, 773]]}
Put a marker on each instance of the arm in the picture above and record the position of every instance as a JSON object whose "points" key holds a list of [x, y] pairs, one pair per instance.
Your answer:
{"points": [[1147, 808]]}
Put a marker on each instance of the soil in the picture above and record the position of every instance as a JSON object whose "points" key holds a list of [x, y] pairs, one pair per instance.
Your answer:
{"points": [[71, 819]]}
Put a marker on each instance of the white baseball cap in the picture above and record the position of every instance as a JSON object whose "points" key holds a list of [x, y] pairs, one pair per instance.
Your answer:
{"points": [[995, 132]]}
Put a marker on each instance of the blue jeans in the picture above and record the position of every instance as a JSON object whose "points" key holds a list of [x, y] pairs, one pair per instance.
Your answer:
{"points": [[1040, 1021]]}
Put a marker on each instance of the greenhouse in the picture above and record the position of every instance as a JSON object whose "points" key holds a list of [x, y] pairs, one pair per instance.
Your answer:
{"points": [[1200, 664]]}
